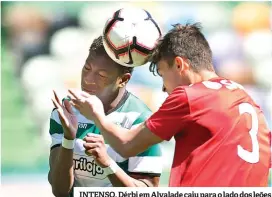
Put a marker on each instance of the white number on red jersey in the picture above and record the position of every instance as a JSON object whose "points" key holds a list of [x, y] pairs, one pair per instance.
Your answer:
{"points": [[254, 156]]}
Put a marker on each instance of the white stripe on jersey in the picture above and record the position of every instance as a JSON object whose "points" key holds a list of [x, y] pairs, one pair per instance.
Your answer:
{"points": [[145, 164], [56, 138]]}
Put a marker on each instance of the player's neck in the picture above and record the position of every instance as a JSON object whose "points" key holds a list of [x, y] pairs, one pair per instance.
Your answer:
{"points": [[113, 103], [203, 75]]}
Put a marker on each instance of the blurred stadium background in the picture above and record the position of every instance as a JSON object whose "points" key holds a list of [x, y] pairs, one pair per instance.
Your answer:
{"points": [[44, 46]]}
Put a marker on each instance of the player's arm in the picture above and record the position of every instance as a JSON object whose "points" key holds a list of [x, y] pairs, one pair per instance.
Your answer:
{"points": [[127, 142], [162, 125], [61, 175]]}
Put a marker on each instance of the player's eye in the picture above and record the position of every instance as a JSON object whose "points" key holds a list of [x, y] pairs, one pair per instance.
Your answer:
{"points": [[102, 75], [87, 68]]}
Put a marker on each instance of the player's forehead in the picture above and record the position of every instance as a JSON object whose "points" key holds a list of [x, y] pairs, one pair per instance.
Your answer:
{"points": [[101, 63]]}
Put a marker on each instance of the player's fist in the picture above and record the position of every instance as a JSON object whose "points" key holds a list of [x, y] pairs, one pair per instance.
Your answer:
{"points": [[95, 146], [67, 117], [89, 105]]}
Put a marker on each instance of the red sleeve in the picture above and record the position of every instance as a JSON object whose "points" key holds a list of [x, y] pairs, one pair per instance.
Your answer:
{"points": [[172, 116]]}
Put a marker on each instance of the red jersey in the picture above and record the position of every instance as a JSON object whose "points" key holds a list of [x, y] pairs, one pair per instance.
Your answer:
{"points": [[221, 135]]}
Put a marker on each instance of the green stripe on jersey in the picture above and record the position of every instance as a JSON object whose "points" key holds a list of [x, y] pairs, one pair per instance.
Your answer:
{"points": [[86, 128], [55, 127], [123, 165]]}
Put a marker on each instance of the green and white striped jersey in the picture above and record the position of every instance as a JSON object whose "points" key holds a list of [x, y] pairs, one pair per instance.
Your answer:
{"points": [[130, 112]]}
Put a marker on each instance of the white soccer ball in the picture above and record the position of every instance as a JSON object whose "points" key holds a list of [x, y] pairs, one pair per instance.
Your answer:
{"points": [[130, 36]]}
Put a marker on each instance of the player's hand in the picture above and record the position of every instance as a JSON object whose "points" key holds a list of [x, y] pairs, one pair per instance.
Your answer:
{"points": [[89, 105], [67, 117], [95, 146]]}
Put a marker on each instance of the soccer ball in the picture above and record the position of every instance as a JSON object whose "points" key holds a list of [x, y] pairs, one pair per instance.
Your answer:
{"points": [[130, 36]]}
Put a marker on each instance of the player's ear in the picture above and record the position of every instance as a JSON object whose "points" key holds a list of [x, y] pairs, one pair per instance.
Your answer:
{"points": [[181, 64], [123, 80]]}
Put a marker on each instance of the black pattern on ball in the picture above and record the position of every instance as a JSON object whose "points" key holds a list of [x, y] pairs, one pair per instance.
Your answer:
{"points": [[128, 47]]}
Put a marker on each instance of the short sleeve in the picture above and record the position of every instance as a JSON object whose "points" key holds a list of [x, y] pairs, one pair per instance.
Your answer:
{"points": [[172, 116], [55, 129]]}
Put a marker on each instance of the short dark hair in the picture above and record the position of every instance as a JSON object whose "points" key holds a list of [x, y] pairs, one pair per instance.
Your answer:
{"points": [[185, 41], [97, 49]]}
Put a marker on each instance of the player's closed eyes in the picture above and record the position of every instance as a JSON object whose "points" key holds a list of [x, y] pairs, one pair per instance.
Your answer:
{"points": [[102, 76], [87, 67]]}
